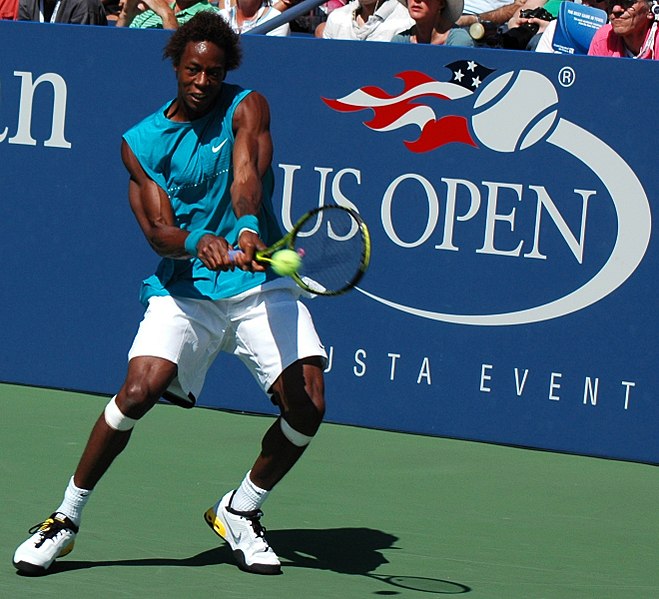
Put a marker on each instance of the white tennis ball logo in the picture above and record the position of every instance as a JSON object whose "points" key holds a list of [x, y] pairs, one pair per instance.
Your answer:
{"points": [[515, 111]]}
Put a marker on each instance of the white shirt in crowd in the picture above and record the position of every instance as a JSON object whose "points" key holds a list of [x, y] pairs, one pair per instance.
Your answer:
{"points": [[264, 14], [390, 18], [477, 7]]}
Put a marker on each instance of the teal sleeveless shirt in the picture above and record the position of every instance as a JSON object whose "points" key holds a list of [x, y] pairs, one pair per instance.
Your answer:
{"points": [[192, 162]]}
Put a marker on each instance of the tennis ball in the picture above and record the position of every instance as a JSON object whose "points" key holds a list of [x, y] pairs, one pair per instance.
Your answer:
{"points": [[285, 262]]}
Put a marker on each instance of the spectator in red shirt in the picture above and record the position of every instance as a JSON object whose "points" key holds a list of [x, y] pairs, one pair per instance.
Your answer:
{"points": [[8, 10]]}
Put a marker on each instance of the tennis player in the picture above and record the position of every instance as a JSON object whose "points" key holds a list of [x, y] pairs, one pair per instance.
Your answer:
{"points": [[201, 183]]}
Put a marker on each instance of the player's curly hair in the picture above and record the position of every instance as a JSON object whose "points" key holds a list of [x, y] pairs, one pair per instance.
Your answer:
{"points": [[205, 26]]}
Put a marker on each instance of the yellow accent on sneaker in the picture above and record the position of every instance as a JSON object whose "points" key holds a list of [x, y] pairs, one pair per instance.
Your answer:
{"points": [[214, 522], [243, 532], [68, 549]]}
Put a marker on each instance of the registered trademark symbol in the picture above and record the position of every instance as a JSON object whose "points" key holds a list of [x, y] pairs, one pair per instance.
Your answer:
{"points": [[566, 76]]}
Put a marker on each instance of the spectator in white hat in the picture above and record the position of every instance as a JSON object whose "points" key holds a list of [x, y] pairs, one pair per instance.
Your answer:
{"points": [[434, 23]]}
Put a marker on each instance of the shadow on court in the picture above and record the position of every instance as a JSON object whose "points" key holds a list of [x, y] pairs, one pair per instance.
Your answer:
{"points": [[350, 551]]}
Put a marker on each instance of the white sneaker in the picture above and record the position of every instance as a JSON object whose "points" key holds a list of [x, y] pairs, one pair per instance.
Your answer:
{"points": [[51, 539], [244, 533]]}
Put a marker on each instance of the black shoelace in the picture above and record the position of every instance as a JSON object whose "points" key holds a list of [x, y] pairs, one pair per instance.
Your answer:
{"points": [[50, 527], [254, 519]]}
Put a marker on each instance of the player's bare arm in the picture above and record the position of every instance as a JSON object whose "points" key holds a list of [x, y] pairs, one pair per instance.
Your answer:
{"points": [[252, 156], [152, 209]]}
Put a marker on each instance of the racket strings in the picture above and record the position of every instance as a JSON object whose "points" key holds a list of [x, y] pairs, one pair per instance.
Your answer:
{"points": [[333, 255]]}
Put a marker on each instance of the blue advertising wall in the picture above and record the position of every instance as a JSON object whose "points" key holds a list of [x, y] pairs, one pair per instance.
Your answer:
{"points": [[512, 294]]}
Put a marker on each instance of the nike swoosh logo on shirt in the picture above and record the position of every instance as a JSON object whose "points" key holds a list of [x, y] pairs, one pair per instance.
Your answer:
{"points": [[216, 149]]}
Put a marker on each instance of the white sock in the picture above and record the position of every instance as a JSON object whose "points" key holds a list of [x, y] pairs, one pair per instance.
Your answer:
{"points": [[74, 500], [248, 497]]}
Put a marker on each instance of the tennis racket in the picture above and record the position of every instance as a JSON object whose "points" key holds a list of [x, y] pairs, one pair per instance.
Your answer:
{"points": [[334, 245]]}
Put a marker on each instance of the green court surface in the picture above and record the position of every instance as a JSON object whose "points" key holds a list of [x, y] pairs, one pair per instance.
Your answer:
{"points": [[364, 514]]}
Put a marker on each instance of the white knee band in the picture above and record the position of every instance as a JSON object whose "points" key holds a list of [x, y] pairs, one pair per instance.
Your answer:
{"points": [[295, 437], [116, 419]]}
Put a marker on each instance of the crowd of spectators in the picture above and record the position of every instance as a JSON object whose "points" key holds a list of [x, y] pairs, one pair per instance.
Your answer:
{"points": [[631, 30]]}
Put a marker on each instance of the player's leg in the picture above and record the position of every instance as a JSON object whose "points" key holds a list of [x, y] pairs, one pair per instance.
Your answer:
{"points": [[279, 344], [146, 379], [237, 516], [166, 337], [300, 394]]}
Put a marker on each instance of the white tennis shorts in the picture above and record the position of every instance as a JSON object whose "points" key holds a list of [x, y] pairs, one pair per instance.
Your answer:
{"points": [[268, 328]]}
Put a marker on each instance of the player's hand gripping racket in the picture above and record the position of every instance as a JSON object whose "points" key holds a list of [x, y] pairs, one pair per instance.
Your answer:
{"points": [[333, 246]]}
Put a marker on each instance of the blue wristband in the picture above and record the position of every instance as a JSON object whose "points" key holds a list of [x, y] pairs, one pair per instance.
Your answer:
{"points": [[249, 221], [192, 240]]}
